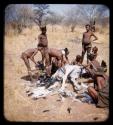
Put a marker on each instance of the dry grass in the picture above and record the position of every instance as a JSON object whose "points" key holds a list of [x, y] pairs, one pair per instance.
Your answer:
{"points": [[17, 106]]}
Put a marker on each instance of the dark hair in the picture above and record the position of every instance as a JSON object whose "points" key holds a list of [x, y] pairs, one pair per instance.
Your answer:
{"points": [[78, 58], [87, 25], [90, 57], [39, 45], [103, 63], [43, 28], [66, 51], [95, 48]]}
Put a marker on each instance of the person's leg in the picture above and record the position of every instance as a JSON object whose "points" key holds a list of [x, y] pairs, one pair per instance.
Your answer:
{"points": [[26, 61], [48, 70], [101, 82], [59, 63], [43, 56], [83, 51], [47, 58], [93, 93]]}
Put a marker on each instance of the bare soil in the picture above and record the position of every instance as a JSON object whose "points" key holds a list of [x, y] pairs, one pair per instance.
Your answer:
{"points": [[19, 107]]}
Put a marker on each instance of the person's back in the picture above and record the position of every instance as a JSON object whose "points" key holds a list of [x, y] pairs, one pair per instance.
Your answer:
{"points": [[93, 63], [29, 52], [102, 88], [55, 53], [100, 92]]}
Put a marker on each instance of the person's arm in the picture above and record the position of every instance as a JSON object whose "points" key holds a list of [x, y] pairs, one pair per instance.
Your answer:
{"points": [[83, 38], [64, 60], [98, 73], [90, 71], [88, 81], [86, 65], [67, 60], [32, 57], [94, 37]]}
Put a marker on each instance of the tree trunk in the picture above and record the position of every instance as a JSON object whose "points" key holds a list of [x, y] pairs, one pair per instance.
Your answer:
{"points": [[72, 28]]}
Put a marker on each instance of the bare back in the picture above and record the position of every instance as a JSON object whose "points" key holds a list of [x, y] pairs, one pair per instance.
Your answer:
{"points": [[55, 53], [30, 52], [95, 63]]}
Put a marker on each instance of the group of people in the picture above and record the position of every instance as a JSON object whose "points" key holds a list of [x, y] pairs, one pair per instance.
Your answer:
{"points": [[53, 59]]}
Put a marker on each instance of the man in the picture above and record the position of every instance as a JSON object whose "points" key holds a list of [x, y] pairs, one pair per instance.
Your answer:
{"points": [[86, 41], [77, 61], [100, 92], [43, 41], [94, 52], [29, 55], [61, 56]]}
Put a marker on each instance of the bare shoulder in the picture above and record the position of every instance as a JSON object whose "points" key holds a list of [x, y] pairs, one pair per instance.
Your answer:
{"points": [[92, 33], [84, 33], [39, 35]]}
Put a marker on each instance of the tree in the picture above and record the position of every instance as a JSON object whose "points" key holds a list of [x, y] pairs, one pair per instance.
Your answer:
{"points": [[25, 15], [19, 16], [91, 13], [54, 19], [10, 13], [72, 18], [40, 10]]}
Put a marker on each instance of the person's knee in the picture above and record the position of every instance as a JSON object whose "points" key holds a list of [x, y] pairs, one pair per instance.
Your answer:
{"points": [[90, 89], [24, 56], [93, 91]]}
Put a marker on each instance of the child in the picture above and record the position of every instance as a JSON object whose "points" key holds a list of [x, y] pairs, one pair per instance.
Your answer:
{"points": [[86, 41], [77, 61], [94, 52]]}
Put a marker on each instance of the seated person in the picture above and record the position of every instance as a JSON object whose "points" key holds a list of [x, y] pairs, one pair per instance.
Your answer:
{"points": [[77, 61], [94, 52], [100, 92], [92, 62]]}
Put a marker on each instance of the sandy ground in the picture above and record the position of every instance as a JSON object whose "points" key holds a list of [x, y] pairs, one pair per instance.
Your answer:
{"points": [[19, 107]]}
